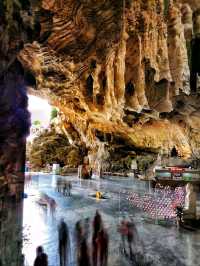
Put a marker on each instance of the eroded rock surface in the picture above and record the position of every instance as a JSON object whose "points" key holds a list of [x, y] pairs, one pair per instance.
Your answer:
{"points": [[122, 73]]}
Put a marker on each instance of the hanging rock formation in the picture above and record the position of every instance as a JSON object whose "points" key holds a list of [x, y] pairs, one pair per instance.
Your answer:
{"points": [[122, 73]]}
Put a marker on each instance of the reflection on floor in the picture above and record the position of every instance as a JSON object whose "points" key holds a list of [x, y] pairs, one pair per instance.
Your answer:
{"points": [[163, 244]]}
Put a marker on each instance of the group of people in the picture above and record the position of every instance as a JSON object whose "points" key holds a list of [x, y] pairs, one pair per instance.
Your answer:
{"points": [[64, 187], [91, 249], [100, 242], [94, 253]]}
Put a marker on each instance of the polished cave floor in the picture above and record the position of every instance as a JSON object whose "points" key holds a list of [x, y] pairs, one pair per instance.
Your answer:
{"points": [[161, 244]]}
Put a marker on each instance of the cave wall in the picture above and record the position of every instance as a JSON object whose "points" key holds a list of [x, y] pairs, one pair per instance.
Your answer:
{"points": [[14, 127], [117, 67], [14, 117], [114, 68]]}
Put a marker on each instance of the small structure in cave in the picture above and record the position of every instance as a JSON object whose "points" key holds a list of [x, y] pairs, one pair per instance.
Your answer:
{"points": [[84, 170], [190, 202]]}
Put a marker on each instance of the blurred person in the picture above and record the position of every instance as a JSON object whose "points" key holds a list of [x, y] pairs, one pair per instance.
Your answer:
{"points": [[41, 257], [123, 230], [179, 216], [83, 254], [97, 226], [63, 238], [103, 247]]}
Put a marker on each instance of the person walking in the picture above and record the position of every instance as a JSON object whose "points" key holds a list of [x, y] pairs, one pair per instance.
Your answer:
{"points": [[97, 226], [83, 256], [103, 247], [123, 230], [63, 238]]}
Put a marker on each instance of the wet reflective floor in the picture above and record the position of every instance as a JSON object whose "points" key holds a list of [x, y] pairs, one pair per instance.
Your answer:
{"points": [[162, 244]]}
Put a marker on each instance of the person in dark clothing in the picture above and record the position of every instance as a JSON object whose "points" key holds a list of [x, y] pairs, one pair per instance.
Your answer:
{"points": [[81, 234], [97, 226], [97, 223], [63, 237], [179, 216], [78, 237], [103, 247], [84, 258], [123, 230], [41, 257], [130, 238], [133, 240]]}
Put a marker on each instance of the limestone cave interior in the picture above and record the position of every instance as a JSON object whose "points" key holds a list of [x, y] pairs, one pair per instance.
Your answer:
{"points": [[123, 77]]}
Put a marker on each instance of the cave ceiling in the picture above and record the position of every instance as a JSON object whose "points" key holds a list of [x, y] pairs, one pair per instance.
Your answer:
{"points": [[119, 71]]}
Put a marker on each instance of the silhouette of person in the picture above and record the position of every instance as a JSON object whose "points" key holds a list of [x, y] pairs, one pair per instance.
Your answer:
{"points": [[103, 247], [84, 258], [97, 226], [41, 257], [123, 230], [63, 237], [81, 233]]}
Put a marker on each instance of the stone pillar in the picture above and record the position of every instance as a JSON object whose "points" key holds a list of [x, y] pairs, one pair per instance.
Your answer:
{"points": [[14, 127], [10, 232], [134, 167], [190, 202], [80, 171], [99, 170]]}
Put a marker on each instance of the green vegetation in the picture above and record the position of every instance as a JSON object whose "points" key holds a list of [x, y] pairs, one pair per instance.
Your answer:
{"points": [[50, 147], [145, 161], [36, 123], [54, 113], [166, 7]]}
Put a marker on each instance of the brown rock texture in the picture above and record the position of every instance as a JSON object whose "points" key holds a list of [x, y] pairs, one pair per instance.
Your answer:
{"points": [[51, 147], [122, 73]]}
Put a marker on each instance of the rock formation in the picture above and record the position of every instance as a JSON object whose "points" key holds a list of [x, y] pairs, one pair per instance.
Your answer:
{"points": [[50, 147], [124, 74]]}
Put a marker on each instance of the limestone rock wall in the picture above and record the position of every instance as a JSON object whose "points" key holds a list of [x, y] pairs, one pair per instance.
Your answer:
{"points": [[116, 70]]}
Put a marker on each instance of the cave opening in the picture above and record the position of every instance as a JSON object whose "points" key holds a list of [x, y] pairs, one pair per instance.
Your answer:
{"points": [[100, 97], [41, 114], [174, 152], [129, 90], [39, 152], [195, 63], [103, 80], [89, 86], [100, 100]]}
